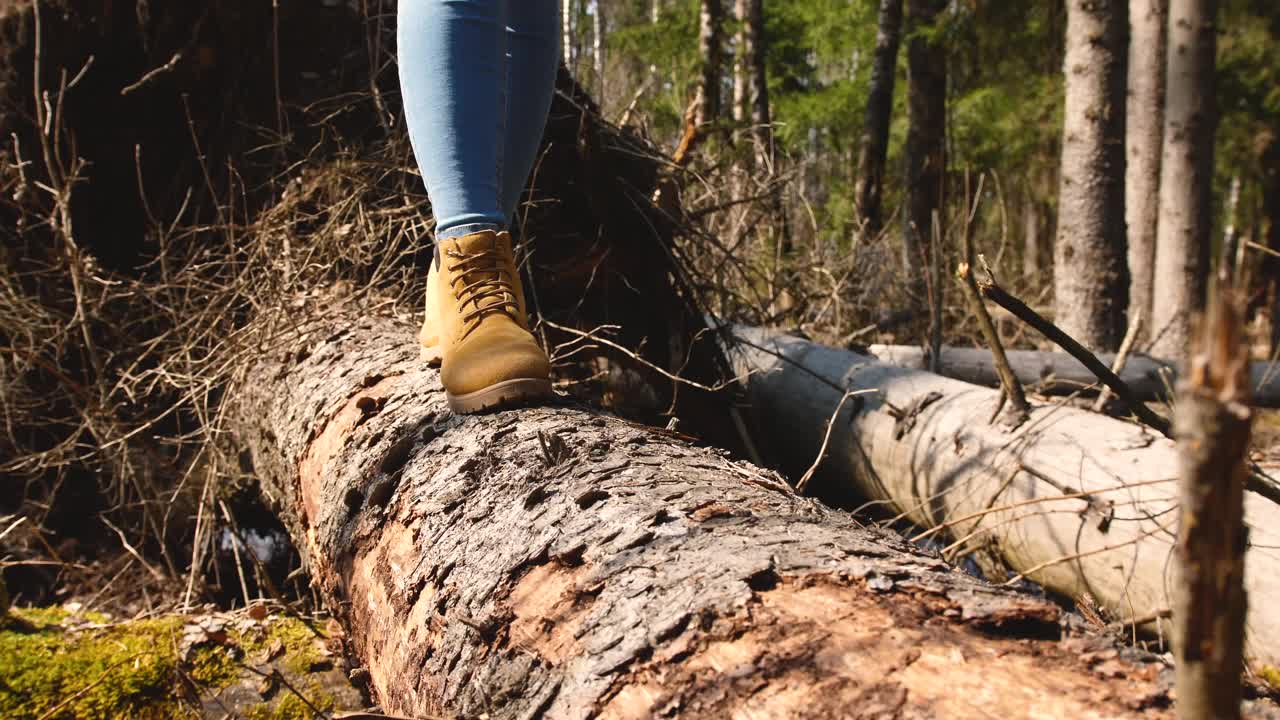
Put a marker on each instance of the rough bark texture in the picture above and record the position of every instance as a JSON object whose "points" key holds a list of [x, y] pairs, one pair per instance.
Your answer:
{"points": [[1090, 279], [1186, 176], [925, 149], [1081, 503], [710, 40], [761, 116], [554, 562], [1212, 422], [874, 145], [1058, 373], [1143, 134]]}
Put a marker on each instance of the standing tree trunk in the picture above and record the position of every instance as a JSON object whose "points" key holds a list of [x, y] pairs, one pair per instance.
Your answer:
{"points": [[926, 135], [599, 27], [1090, 279], [1030, 235], [552, 562], [710, 41], [566, 29], [1212, 421], [1271, 211], [874, 145], [1186, 178], [761, 117], [1143, 137], [741, 64]]}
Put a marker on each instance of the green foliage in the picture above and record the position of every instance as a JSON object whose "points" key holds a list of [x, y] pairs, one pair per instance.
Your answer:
{"points": [[819, 60], [670, 47], [1248, 83]]}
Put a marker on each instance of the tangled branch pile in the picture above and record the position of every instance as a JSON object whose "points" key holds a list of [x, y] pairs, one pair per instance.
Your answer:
{"points": [[160, 190]]}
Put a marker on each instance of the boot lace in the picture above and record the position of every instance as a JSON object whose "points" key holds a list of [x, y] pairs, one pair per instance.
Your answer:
{"points": [[481, 281]]}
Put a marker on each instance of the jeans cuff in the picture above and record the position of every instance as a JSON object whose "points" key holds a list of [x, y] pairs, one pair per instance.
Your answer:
{"points": [[458, 231]]}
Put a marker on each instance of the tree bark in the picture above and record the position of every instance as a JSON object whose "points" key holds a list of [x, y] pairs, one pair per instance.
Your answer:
{"points": [[1090, 278], [874, 145], [1031, 227], [1081, 503], [599, 27], [926, 135], [710, 41], [1212, 421], [1143, 138], [741, 86], [756, 49], [1055, 372], [1186, 176], [567, 19], [553, 562]]}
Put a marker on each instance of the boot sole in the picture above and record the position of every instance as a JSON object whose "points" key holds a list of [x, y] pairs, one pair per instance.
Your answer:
{"points": [[509, 393]]}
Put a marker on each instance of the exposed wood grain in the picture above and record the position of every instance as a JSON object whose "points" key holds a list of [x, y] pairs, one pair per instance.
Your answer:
{"points": [[1081, 502]]}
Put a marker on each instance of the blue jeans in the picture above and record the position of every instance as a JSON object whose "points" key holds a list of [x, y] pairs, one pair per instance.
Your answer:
{"points": [[477, 77]]}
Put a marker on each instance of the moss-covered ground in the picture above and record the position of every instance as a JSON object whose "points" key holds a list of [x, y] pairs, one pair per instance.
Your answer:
{"points": [[56, 664]]}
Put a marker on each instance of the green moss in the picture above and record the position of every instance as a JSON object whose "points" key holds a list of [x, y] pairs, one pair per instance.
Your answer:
{"points": [[133, 669], [1271, 675], [213, 665], [124, 671], [302, 646], [288, 706]]}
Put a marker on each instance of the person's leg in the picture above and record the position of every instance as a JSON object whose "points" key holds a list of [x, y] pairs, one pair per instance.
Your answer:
{"points": [[533, 55], [453, 70], [453, 75]]}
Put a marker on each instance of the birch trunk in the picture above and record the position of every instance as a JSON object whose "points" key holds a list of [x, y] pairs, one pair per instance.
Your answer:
{"points": [[741, 85], [1081, 503], [599, 26], [566, 29], [1143, 135], [1056, 372], [554, 562]]}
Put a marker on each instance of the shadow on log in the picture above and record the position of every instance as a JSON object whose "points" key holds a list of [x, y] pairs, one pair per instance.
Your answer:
{"points": [[1081, 503], [557, 562]]}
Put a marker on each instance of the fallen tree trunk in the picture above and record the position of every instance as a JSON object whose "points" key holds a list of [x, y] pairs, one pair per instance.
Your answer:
{"points": [[1058, 372], [1079, 502], [556, 562]]}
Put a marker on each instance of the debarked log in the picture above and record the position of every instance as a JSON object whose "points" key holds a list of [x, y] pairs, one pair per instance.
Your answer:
{"points": [[555, 562], [1080, 502], [1058, 373]]}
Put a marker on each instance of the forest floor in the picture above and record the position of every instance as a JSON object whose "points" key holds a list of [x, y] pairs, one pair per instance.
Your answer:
{"points": [[259, 663]]}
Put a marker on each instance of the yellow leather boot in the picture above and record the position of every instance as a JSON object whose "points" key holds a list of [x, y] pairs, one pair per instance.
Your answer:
{"points": [[489, 358], [429, 335]]}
